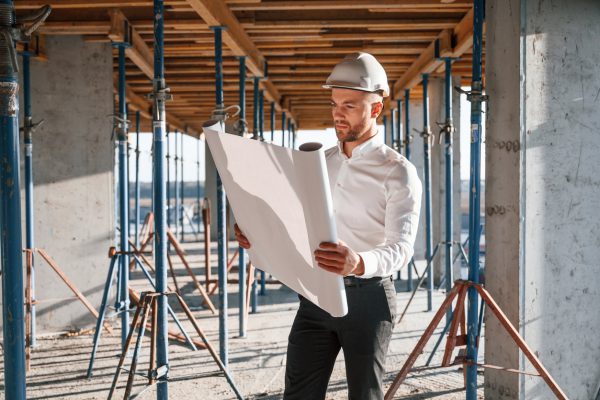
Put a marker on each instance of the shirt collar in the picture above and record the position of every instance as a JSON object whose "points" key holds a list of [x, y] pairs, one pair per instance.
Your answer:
{"points": [[363, 148]]}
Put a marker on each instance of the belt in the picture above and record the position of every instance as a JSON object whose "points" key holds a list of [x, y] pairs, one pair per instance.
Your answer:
{"points": [[353, 281]]}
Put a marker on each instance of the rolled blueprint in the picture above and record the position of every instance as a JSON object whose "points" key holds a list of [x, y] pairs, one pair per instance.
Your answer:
{"points": [[282, 202]]}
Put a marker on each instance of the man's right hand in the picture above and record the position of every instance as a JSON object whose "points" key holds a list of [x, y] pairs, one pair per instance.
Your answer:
{"points": [[242, 240]]}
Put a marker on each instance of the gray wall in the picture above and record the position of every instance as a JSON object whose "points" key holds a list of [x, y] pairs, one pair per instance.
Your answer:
{"points": [[546, 274], [73, 176]]}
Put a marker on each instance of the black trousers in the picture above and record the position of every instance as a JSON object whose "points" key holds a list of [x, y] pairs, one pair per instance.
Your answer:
{"points": [[363, 334]]}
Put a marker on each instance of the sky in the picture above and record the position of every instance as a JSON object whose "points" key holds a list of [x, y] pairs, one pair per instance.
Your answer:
{"points": [[326, 137]]}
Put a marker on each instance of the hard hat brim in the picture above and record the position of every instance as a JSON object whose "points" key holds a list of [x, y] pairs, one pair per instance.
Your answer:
{"points": [[351, 87]]}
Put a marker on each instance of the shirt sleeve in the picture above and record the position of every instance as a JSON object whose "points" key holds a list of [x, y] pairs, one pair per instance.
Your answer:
{"points": [[403, 205]]}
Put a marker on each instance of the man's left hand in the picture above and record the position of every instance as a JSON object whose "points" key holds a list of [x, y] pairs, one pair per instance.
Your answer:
{"points": [[339, 259]]}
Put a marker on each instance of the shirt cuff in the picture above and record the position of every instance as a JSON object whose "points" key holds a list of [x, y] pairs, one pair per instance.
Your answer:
{"points": [[370, 262]]}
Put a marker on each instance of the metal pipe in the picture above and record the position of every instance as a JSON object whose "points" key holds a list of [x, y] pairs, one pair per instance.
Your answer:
{"points": [[409, 282], [168, 179], [400, 144], [449, 187], [283, 128], [474, 198], [427, 139], [261, 124], [294, 136], [272, 121], [255, 111], [407, 124], [198, 194], [137, 178], [160, 96], [221, 209], [182, 186], [289, 131], [123, 200], [393, 126], [10, 214], [261, 114], [241, 251], [29, 214], [176, 182]]}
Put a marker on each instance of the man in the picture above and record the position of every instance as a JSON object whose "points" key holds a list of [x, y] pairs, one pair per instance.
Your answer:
{"points": [[376, 198]]}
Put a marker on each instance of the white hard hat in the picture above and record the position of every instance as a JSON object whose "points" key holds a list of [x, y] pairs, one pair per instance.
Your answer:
{"points": [[359, 71]]}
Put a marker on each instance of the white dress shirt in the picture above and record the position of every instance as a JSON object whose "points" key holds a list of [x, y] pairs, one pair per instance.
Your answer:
{"points": [[376, 200]]}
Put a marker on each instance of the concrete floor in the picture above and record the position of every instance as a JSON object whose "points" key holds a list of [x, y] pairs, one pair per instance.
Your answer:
{"points": [[257, 363]]}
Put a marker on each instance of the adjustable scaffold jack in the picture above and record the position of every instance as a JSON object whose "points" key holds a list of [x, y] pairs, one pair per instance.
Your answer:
{"points": [[115, 257], [148, 305], [459, 291]]}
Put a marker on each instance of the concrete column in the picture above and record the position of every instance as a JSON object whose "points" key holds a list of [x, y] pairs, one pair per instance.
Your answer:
{"points": [[73, 177], [543, 193]]}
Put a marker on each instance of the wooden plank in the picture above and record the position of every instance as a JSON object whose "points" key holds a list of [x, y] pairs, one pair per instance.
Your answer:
{"points": [[426, 63], [72, 286], [214, 13], [138, 52], [518, 339], [270, 5]]}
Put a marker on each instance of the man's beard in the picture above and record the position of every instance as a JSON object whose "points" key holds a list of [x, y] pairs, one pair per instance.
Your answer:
{"points": [[353, 134]]}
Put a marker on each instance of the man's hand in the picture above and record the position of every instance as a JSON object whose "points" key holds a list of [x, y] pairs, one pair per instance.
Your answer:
{"points": [[339, 259], [242, 240]]}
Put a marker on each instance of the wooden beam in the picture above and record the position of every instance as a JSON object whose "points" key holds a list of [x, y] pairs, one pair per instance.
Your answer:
{"points": [[215, 13], [399, 5], [426, 63], [138, 52], [461, 35]]}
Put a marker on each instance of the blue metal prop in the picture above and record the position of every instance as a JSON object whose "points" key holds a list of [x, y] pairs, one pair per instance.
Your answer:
{"points": [[137, 178], [476, 98], [272, 121], [160, 96], [10, 207], [182, 189], [255, 110], [283, 129], [221, 209], [28, 129], [176, 182], [241, 251], [122, 132], [427, 139]]}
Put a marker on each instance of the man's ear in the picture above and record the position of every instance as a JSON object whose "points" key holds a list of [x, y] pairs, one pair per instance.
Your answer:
{"points": [[376, 109]]}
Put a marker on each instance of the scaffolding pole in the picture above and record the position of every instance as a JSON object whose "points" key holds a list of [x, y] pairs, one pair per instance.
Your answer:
{"points": [[448, 130], [476, 98], [283, 128], [10, 212], [29, 127], [176, 181], [407, 141], [221, 209], [272, 121], [399, 127], [427, 140], [137, 179], [241, 250], [160, 96], [182, 187], [198, 201], [122, 131]]}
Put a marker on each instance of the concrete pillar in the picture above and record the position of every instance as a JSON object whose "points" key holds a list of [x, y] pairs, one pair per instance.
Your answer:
{"points": [[440, 192], [543, 193], [73, 176]]}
